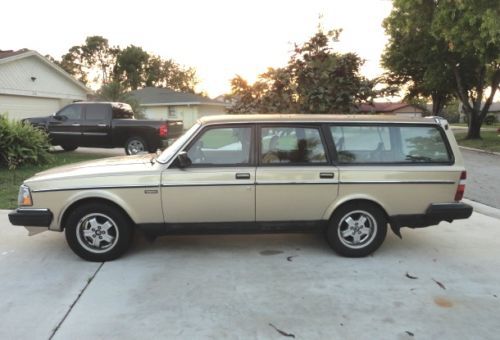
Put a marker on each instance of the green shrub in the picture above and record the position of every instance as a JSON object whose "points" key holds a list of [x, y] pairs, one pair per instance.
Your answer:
{"points": [[22, 144], [490, 119]]}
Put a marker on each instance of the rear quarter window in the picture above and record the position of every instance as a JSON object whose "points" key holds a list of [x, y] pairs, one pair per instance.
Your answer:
{"points": [[401, 144]]}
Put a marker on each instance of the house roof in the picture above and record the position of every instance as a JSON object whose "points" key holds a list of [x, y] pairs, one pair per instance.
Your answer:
{"points": [[10, 55], [382, 107], [153, 96]]}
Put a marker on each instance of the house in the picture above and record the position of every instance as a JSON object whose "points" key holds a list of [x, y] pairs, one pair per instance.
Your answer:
{"points": [[32, 86], [163, 103], [399, 109]]}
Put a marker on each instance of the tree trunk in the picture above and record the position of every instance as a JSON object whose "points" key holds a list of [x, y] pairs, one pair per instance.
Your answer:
{"points": [[474, 131]]}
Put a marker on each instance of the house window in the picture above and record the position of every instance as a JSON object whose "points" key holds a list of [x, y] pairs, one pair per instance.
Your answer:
{"points": [[172, 112]]}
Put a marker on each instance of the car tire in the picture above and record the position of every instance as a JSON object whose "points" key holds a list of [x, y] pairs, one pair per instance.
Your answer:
{"points": [[135, 145], [69, 147], [356, 229], [98, 232]]}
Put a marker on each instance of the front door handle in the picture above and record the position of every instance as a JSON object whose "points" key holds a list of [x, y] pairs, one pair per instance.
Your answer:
{"points": [[101, 125], [243, 175], [326, 175], [75, 124]]}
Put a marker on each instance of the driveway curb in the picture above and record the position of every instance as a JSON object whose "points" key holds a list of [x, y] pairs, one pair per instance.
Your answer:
{"points": [[480, 150], [483, 208]]}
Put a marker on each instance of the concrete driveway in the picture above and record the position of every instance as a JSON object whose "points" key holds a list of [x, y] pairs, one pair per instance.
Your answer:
{"points": [[439, 282]]}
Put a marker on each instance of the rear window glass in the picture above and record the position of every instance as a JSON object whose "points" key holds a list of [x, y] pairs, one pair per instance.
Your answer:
{"points": [[389, 144], [96, 111]]}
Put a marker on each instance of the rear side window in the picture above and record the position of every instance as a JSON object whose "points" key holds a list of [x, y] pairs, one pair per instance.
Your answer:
{"points": [[96, 111], [291, 145], [362, 144]]}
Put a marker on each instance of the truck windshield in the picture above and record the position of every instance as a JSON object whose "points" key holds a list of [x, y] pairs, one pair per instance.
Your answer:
{"points": [[172, 150]]}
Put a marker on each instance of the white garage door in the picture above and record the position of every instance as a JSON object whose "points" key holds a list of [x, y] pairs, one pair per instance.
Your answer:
{"points": [[19, 107]]}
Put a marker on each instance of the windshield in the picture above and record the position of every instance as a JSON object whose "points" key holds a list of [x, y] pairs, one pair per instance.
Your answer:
{"points": [[169, 152]]}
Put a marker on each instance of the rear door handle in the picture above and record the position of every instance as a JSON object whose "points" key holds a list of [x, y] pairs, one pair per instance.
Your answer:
{"points": [[101, 125], [326, 175], [243, 175], [75, 124]]}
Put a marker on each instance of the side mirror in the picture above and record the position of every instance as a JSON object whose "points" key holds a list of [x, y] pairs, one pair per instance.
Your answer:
{"points": [[183, 160]]}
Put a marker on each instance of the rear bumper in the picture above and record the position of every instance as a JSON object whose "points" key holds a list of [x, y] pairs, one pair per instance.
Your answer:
{"points": [[31, 217], [434, 214]]}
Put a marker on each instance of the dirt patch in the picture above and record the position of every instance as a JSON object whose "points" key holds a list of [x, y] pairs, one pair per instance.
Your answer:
{"points": [[443, 302]]}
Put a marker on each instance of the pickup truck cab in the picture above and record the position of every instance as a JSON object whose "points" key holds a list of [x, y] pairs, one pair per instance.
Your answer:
{"points": [[347, 176], [106, 125]]}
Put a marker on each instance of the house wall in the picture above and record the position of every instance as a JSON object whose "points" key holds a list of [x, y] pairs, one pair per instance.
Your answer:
{"points": [[188, 113], [21, 97], [15, 79]]}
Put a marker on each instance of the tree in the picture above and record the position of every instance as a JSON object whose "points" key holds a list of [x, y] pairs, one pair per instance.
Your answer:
{"points": [[99, 58], [316, 80], [130, 67], [459, 47], [167, 73], [115, 92], [409, 60], [72, 62]]}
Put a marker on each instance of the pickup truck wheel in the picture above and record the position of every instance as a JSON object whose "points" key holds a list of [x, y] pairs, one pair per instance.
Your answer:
{"points": [[98, 232], [135, 145], [357, 229], [69, 147]]}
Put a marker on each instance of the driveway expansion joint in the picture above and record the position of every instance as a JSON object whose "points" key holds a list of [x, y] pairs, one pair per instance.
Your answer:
{"points": [[90, 279]]}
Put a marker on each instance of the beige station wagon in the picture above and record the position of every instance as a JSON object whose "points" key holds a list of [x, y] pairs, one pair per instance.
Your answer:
{"points": [[348, 176]]}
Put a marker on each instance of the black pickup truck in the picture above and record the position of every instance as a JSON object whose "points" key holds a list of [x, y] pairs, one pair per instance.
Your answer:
{"points": [[106, 125]]}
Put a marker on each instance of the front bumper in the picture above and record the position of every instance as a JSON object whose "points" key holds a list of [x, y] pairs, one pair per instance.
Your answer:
{"points": [[31, 217], [434, 214]]}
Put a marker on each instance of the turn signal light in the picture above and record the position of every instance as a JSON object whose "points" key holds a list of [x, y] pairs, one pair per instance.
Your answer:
{"points": [[461, 187]]}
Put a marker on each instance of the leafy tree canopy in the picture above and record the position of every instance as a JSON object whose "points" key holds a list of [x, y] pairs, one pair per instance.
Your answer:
{"points": [[316, 80]]}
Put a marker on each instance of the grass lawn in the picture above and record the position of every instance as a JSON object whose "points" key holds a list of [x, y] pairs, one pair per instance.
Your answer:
{"points": [[11, 180], [490, 141]]}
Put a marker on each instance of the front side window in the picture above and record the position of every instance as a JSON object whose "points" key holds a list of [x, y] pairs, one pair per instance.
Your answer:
{"points": [[291, 145], [222, 146], [364, 144], [72, 112]]}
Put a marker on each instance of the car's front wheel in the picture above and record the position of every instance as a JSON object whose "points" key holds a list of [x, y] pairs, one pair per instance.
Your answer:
{"points": [[357, 229], [69, 147], [98, 232]]}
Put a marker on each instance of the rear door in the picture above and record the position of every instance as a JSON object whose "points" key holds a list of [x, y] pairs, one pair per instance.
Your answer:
{"points": [[296, 180], [96, 126]]}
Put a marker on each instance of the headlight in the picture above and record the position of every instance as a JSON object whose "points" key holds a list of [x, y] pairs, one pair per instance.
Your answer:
{"points": [[24, 197]]}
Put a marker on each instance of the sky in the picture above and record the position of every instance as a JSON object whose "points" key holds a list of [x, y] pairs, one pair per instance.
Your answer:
{"points": [[218, 38]]}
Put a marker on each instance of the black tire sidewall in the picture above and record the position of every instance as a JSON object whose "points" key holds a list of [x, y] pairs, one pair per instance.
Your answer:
{"points": [[122, 222], [332, 230], [140, 139]]}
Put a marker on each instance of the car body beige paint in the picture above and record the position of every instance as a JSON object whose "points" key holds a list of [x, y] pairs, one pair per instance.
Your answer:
{"points": [[151, 192]]}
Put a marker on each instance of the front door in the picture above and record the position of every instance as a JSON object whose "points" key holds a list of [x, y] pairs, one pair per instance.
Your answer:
{"points": [[295, 180], [219, 186], [65, 128]]}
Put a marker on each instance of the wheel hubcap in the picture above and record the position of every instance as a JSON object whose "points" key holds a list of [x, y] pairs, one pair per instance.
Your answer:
{"points": [[97, 233], [135, 146], [357, 229]]}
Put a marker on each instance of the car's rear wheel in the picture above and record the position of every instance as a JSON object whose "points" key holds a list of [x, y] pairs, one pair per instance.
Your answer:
{"points": [[69, 147], [357, 229], [135, 145], [98, 232]]}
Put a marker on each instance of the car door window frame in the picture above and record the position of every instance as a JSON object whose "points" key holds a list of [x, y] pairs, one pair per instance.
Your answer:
{"points": [[318, 127], [205, 129]]}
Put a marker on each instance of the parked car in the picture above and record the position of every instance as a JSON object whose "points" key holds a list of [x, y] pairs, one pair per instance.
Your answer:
{"points": [[106, 125], [348, 176]]}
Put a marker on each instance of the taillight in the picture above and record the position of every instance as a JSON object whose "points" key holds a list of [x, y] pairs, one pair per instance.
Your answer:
{"points": [[461, 186], [163, 130]]}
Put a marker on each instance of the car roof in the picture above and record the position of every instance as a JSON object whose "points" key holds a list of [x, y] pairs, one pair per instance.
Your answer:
{"points": [[313, 118]]}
